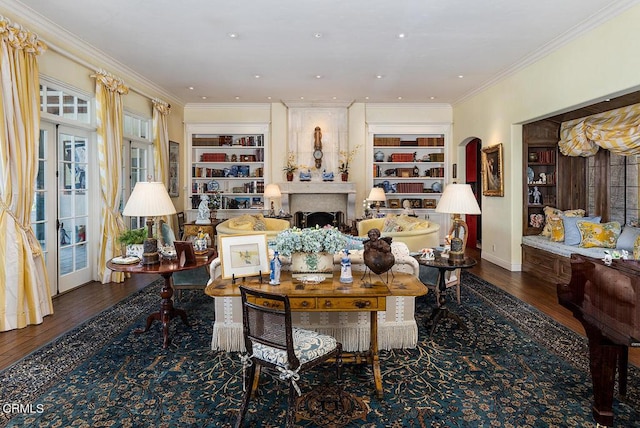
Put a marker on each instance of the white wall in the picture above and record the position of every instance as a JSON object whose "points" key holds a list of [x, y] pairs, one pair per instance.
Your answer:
{"points": [[601, 63]]}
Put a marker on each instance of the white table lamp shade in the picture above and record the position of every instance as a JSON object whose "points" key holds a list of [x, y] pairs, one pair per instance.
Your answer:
{"points": [[272, 191], [149, 199], [458, 199], [377, 194]]}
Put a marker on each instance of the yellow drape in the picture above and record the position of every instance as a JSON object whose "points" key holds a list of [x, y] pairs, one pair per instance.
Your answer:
{"points": [[615, 130], [109, 113], [25, 296], [161, 146]]}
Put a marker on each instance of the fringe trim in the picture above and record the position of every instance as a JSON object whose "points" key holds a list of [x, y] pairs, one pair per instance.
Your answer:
{"points": [[354, 337]]}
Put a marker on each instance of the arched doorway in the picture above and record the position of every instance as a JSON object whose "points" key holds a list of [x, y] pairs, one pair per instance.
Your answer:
{"points": [[473, 177]]}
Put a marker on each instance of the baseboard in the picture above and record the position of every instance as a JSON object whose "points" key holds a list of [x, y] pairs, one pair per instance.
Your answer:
{"points": [[512, 267]]}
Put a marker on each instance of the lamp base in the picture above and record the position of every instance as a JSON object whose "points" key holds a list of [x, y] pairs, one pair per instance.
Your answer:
{"points": [[456, 256], [150, 256]]}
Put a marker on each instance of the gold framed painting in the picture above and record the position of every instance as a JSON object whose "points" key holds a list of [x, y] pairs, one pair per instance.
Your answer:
{"points": [[492, 171]]}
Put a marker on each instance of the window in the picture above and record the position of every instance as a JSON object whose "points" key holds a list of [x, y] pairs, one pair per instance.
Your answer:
{"points": [[137, 158], [60, 102]]}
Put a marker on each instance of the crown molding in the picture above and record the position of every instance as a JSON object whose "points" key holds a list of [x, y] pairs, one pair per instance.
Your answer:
{"points": [[209, 106], [68, 45], [605, 14]]}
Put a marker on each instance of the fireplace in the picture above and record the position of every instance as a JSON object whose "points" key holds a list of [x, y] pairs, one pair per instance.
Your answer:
{"points": [[316, 197], [320, 218]]}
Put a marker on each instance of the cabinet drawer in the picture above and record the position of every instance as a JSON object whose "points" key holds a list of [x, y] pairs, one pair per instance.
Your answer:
{"points": [[348, 303], [302, 303]]}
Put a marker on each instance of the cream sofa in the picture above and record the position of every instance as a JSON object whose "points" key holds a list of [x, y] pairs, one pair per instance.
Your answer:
{"points": [[248, 223], [415, 233], [397, 326]]}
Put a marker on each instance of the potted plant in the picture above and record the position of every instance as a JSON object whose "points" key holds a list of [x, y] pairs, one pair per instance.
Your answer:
{"points": [[311, 249], [291, 166], [346, 157], [133, 240]]}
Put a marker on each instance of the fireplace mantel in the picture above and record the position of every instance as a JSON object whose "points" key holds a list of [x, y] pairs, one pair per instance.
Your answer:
{"points": [[319, 196]]}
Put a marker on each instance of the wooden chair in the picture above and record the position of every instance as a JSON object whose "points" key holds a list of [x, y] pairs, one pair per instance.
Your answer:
{"points": [[192, 279], [282, 350], [181, 222], [451, 279]]}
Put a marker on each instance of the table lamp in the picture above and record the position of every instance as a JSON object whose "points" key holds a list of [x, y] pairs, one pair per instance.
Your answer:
{"points": [[458, 199], [149, 199], [272, 191], [377, 195]]}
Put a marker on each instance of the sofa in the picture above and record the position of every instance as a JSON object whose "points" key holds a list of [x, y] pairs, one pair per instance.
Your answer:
{"points": [[414, 232], [397, 326], [547, 256], [248, 223]]}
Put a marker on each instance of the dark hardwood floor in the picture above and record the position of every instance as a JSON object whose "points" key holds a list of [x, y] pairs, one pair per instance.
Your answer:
{"points": [[76, 306]]}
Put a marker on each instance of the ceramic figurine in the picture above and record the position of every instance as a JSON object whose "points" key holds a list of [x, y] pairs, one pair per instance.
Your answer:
{"points": [[345, 270], [305, 175], [276, 265], [327, 176], [203, 211]]}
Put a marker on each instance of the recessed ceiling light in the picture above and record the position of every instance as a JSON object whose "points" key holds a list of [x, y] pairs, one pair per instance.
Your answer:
{"points": [[366, 98], [318, 76], [204, 98], [268, 98], [399, 98], [460, 76], [432, 98], [233, 35], [237, 98], [379, 76], [317, 35], [257, 76], [402, 36], [335, 98], [191, 88], [302, 98]]}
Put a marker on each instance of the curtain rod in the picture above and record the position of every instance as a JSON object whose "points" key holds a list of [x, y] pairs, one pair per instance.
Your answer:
{"points": [[90, 66]]}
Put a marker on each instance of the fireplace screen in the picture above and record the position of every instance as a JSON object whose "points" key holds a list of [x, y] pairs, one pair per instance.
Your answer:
{"points": [[320, 218]]}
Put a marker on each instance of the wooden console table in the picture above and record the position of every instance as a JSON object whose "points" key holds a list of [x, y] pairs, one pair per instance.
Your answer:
{"points": [[334, 296], [165, 268]]}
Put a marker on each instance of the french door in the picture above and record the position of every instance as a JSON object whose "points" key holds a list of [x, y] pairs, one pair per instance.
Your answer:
{"points": [[61, 210]]}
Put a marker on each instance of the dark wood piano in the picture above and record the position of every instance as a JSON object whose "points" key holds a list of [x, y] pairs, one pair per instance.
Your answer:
{"points": [[606, 300]]}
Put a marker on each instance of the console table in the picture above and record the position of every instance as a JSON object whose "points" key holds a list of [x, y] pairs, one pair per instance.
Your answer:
{"points": [[334, 296]]}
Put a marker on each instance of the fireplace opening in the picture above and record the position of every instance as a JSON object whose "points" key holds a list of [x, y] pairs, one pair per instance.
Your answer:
{"points": [[321, 218]]}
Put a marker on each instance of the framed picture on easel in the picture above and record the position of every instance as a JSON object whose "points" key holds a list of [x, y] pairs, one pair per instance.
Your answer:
{"points": [[243, 255]]}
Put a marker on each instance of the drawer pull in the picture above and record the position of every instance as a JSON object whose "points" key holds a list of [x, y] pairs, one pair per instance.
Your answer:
{"points": [[269, 305], [304, 304], [362, 304], [327, 303]]}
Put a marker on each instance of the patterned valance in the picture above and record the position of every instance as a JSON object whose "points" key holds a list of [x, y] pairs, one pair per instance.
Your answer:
{"points": [[615, 130]]}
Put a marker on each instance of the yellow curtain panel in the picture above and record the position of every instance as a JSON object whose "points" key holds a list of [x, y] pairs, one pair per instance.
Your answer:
{"points": [[615, 130], [25, 296], [109, 113]]}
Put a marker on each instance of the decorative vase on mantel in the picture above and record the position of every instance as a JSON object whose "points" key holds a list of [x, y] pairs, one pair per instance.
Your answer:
{"points": [[345, 176], [306, 264], [289, 176]]}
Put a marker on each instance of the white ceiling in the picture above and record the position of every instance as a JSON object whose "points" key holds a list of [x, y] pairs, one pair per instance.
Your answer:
{"points": [[182, 44]]}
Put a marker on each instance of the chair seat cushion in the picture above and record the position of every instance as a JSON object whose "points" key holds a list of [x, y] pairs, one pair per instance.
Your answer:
{"points": [[308, 345]]}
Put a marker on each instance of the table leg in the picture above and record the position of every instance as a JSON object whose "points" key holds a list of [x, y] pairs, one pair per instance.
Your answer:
{"points": [[442, 312], [166, 313], [375, 357]]}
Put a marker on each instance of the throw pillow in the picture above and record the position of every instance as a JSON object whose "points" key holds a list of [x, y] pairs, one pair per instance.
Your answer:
{"points": [[243, 222], [391, 224], [548, 213], [636, 248], [627, 239], [571, 232], [411, 223], [557, 229], [604, 235], [260, 225]]}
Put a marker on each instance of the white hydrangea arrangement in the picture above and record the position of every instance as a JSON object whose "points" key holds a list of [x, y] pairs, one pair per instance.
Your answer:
{"points": [[310, 240]]}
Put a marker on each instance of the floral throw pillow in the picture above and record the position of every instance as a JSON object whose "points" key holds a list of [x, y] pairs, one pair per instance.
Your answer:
{"points": [[557, 229], [604, 235], [391, 224]]}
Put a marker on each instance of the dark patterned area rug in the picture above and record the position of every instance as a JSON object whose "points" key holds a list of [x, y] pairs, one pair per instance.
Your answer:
{"points": [[514, 367]]}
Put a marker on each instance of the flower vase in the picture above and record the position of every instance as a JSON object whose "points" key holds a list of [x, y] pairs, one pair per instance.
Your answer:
{"points": [[289, 176], [305, 264], [345, 176]]}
